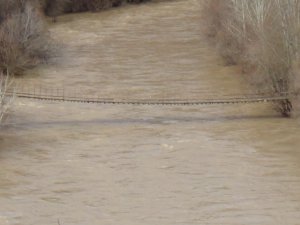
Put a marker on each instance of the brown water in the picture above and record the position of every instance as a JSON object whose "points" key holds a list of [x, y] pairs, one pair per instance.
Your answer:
{"points": [[64, 163]]}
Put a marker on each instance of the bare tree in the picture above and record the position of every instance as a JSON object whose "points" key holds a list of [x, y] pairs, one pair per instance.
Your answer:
{"points": [[5, 99]]}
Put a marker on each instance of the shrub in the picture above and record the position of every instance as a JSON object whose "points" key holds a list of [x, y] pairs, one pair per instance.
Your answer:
{"points": [[262, 35], [23, 39]]}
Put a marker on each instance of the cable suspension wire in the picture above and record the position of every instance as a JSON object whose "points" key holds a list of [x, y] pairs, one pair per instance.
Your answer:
{"points": [[55, 94]]}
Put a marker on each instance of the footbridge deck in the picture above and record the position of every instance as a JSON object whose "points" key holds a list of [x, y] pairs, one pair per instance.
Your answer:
{"points": [[64, 96]]}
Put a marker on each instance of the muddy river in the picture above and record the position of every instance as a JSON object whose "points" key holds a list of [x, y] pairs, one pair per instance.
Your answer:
{"points": [[84, 164]]}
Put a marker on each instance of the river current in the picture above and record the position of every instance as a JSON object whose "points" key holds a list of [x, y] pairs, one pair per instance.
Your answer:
{"points": [[83, 164]]}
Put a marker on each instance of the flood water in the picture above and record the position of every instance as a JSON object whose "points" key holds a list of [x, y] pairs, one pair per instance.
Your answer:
{"points": [[82, 164]]}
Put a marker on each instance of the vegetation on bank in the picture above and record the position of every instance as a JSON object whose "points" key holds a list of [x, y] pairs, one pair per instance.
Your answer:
{"points": [[4, 100], [261, 35], [24, 40]]}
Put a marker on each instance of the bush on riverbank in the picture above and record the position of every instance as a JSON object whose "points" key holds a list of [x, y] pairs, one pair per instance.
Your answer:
{"points": [[261, 35], [24, 42]]}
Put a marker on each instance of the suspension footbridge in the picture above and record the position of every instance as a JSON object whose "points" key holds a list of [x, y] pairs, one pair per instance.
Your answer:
{"points": [[62, 95]]}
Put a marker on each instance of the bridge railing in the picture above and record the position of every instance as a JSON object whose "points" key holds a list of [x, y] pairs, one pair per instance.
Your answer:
{"points": [[74, 95]]}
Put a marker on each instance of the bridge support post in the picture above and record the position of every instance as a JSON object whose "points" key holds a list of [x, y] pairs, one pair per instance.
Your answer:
{"points": [[286, 108]]}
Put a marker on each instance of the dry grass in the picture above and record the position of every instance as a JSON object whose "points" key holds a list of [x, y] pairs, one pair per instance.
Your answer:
{"points": [[263, 36]]}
